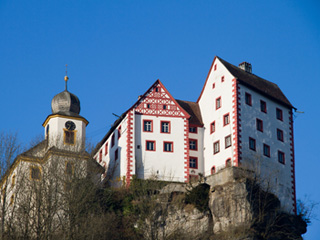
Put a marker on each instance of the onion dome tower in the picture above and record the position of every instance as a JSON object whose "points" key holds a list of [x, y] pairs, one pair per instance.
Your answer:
{"points": [[65, 128]]}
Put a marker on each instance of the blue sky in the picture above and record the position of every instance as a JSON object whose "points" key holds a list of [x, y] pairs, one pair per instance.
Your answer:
{"points": [[116, 49]]}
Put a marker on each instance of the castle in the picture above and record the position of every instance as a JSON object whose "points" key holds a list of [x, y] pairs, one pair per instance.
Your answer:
{"points": [[238, 120]]}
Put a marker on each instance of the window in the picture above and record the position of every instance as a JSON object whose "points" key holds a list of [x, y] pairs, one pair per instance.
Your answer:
{"points": [[226, 119], [112, 140], [263, 106], [193, 144], [222, 79], [280, 135], [119, 132], [266, 150], [212, 127], [279, 114], [193, 162], [252, 144], [100, 156], [193, 129], [281, 157], [147, 126], [248, 99], [165, 127], [227, 141], [164, 106], [216, 147], [116, 154], [218, 103], [259, 125], [69, 168], [69, 137], [213, 85], [148, 105], [35, 173], [213, 170], [215, 67], [150, 145], [228, 162], [168, 146], [106, 149], [157, 89]]}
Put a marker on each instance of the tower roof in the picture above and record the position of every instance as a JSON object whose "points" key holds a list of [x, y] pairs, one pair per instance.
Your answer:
{"points": [[65, 103]]}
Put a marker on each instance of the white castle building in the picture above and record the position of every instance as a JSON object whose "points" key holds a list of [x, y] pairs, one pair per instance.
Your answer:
{"points": [[239, 119]]}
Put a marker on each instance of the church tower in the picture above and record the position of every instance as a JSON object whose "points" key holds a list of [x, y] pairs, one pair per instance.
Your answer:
{"points": [[65, 129]]}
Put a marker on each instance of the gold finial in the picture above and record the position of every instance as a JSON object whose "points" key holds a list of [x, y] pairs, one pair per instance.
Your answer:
{"points": [[66, 77]]}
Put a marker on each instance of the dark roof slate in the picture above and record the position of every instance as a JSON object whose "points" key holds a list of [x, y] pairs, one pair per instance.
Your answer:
{"points": [[257, 83], [193, 109]]}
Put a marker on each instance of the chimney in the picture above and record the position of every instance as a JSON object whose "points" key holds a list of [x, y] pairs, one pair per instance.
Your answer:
{"points": [[246, 67]]}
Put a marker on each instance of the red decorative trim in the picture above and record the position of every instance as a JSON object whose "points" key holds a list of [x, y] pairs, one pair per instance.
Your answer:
{"points": [[227, 162], [259, 125], [293, 178], [196, 143], [218, 103], [154, 100], [213, 169], [169, 127], [186, 150], [147, 120], [100, 156], [129, 147], [194, 127], [279, 114], [280, 153], [225, 141], [119, 132], [154, 145], [236, 122], [254, 143], [279, 134], [112, 139], [213, 85], [222, 79], [226, 119], [196, 167], [248, 99], [212, 127], [263, 106], [168, 143], [266, 153], [214, 147], [215, 67], [106, 148]]}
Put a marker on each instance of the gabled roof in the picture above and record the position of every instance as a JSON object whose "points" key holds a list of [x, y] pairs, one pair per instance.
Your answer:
{"points": [[194, 111], [259, 84]]}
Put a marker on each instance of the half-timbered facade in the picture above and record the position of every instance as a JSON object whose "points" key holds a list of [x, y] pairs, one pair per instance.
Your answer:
{"points": [[239, 119]]}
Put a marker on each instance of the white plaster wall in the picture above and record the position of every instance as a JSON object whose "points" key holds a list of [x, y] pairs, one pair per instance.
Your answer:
{"points": [[163, 165], [199, 153], [116, 169], [207, 105], [273, 173], [56, 133]]}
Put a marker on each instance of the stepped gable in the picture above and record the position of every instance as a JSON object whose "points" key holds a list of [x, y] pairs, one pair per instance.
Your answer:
{"points": [[257, 83], [193, 109]]}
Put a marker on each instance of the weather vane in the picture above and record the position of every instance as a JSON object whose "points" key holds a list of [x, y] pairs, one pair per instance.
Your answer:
{"points": [[66, 77]]}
